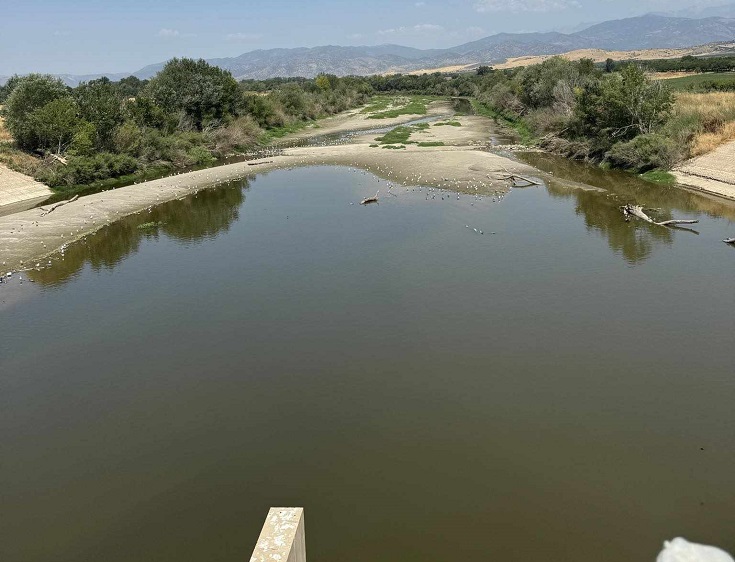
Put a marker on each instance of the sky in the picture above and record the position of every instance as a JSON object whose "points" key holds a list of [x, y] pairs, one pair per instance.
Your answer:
{"points": [[95, 36]]}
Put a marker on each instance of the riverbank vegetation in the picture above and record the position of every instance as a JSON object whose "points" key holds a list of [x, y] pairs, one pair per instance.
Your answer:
{"points": [[620, 117], [190, 114], [193, 114]]}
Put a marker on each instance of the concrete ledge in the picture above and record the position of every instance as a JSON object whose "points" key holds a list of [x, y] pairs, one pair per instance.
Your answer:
{"points": [[282, 538], [16, 188]]}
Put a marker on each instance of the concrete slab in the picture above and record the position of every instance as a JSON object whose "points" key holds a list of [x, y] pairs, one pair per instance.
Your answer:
{"points": [[283, 537], [16, 188], [712, 173]]}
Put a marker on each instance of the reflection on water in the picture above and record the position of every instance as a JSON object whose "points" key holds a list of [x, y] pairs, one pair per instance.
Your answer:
{"points": [[634, 240], [213, 211], [519, 392], [206, 214]]}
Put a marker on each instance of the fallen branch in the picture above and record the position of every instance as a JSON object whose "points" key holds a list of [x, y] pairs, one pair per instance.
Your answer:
{"points": [[57, 205], [257, 163], [59, 159], [637, 211], [369, 200], [515, 177], [529, 182]]}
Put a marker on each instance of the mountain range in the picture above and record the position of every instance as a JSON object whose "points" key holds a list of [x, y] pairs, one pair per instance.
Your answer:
{"points": [[652, 31]]}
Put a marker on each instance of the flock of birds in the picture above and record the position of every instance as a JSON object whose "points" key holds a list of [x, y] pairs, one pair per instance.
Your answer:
{"points": [[450, 189], [473, 190]]}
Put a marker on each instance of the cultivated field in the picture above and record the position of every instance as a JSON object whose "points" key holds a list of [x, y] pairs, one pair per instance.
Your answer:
{"points": [[683, 81]]}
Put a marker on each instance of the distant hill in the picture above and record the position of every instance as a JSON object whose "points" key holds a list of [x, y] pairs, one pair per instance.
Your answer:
{"points": [[644, 32], [652, 31], [721, 11], [657, 32]]}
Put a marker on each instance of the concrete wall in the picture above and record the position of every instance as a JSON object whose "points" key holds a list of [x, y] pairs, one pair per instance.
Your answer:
{"points": [[282, 538]]}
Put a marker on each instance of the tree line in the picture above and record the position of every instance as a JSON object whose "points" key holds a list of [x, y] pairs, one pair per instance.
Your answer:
{"points": [[190, 114]]}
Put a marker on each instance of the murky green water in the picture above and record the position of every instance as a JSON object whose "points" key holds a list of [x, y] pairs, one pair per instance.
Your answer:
{"points": [[558, 388]]}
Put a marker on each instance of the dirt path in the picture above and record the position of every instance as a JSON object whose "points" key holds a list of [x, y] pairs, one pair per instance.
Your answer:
{"points": [[713, 173]]}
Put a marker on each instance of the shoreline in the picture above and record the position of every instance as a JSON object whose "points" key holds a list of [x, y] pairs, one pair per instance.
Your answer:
{"points": [[27, 239], [460, 163], [712, 173]]}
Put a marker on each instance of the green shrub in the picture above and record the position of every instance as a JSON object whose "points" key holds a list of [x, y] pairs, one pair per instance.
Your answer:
{"points": [[644, 152], [200, 156], [88, 169]]}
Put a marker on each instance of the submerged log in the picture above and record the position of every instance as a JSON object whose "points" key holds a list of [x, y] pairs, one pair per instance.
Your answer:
{"points": [[729, 240], [57, 205], [515, 177], [637, 211], [369, 200]]}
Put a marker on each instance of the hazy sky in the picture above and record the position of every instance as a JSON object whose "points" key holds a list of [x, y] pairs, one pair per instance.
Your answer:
{"points": [[87, 36]]}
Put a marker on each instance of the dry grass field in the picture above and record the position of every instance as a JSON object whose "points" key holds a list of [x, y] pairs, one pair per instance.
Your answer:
{"points": [[4, 134], [14, 158], [714, 113]]}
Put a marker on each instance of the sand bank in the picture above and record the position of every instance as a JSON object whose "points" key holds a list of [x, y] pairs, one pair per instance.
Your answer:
{"points": [[26, 238]]}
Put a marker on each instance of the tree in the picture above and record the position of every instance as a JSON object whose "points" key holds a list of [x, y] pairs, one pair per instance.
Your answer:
{"points": [[647, 103], [30, 93], [623, 105], [484, 70], [323, 83], [201, 91], [8, 88], [82, 143], [99, 103], [609, 65], [54, 124], [586, 66], [539, 81], [130, 87]]}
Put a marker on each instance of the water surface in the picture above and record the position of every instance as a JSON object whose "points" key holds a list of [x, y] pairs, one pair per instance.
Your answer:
{"points": [[560, 387]]}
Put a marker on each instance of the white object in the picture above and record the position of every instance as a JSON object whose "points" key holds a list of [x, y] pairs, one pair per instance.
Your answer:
{"points": [[681, 550]]}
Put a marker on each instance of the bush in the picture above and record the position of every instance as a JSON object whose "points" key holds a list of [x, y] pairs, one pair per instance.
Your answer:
{"points": [[645, 152], [200, 156], [127, 138], [87, 169], [241, 134]]}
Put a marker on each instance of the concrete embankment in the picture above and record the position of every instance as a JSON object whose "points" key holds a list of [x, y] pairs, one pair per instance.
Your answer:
{"points": [[19, 192], [712, 173]]}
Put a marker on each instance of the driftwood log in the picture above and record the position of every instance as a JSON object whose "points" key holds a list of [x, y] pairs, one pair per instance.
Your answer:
{"points": [[637, 211], [515, 178], [57, 205], [729, 240], [59, 159], [369, 200]]}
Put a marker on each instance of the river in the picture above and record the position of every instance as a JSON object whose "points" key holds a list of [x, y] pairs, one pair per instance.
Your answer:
{"points": [[559, 387]]}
